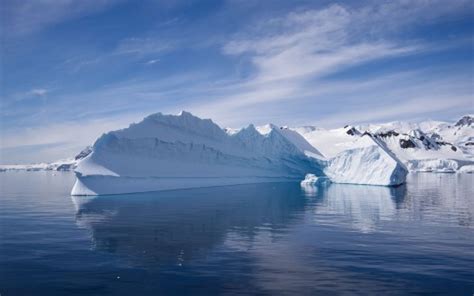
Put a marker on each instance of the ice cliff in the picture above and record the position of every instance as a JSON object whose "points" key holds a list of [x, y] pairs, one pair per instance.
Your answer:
{"points": [[369, 163], [170, 152]]}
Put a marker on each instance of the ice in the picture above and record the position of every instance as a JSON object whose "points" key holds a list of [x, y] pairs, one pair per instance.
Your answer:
{"points": [[312, 179], [172, 152], [467, 169], [429, 146], [370, 163]]}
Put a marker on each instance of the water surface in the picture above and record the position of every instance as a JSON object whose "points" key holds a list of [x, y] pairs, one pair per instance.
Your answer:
{"points": [[261, 239]]}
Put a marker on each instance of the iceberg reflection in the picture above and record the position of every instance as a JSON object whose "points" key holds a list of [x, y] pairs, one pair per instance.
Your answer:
{"points": [[185, 224], [363, 207]]}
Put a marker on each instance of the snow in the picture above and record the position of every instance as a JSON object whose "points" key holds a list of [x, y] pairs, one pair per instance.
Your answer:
{"points": [[432, 146], [172, 152], [298, 140], [301, 143], [59, 165], [434, 165], [328, 142], [370, 164], [467, 169], [27, 167]]}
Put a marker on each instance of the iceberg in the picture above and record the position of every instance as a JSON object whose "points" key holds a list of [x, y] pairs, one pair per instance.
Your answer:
{"points": [[467, 169], [312, 179], [369, 163], [165, 152]]}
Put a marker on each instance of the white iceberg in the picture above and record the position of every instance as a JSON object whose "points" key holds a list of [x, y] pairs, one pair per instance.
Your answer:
{"points": [[434, 165], [312, 179], [173, 152], [370, 164], [467, 169]]}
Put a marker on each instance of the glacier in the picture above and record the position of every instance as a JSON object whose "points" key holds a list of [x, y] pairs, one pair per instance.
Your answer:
{"points": [[429, 146], [183, 151]]}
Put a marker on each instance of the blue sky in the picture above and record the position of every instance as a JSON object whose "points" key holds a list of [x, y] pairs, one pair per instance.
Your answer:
{"points": [[71, 70]]}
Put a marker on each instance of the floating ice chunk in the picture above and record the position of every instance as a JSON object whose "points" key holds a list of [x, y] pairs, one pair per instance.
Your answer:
{"points": [[312, 179], [434, 165], [467, 169]]}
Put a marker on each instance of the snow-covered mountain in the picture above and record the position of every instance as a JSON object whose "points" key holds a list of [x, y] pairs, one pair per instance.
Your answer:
{"points": [[59, 165], [184, 151], [430, 146]]}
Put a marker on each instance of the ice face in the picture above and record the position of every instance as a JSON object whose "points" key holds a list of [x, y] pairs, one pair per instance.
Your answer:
{"points": [[183, 151], [370, 163]]}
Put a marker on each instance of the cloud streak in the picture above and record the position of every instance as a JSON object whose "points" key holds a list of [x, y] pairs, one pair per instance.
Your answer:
{"points": [[25, 17]]}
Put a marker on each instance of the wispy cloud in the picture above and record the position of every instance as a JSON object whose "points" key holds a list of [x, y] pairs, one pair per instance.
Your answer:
{"points": [[151, 62], [24, 17], [292, 55], [143, 46], [40, 92], [57, 140], [405, 110]]}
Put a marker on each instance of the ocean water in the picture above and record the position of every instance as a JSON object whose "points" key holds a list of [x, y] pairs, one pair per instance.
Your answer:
{"points": [[265, 239]]}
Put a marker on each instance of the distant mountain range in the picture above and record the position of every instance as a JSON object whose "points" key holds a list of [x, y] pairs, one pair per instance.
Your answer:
{"points": [[429, 146]]}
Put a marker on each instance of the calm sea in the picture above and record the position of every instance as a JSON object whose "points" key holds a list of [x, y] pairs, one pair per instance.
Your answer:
{"points": [[266, 239]]}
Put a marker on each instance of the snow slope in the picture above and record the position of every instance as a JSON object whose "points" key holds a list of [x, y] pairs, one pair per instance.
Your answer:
{"points": [[429, 146], [169, 152]]}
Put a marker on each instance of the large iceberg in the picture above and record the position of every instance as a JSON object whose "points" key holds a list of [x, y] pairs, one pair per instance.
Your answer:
{"points": [[370, 163], [171, 152]]}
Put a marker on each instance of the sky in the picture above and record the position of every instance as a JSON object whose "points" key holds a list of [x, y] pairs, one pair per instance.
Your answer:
{"points": [[72, 70]]}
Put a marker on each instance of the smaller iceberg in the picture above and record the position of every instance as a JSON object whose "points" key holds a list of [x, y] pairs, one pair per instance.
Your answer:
{"points": [[369, 163], [467, 169], [312, 179], [311, 183]]}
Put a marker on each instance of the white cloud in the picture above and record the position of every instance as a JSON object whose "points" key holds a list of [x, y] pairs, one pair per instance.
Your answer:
{"points": [[24, 17], [40, 92], [411, 108], [318, 42], [347, 101], [292, 55], [151, 62], [143, 46], [60, 140]]}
